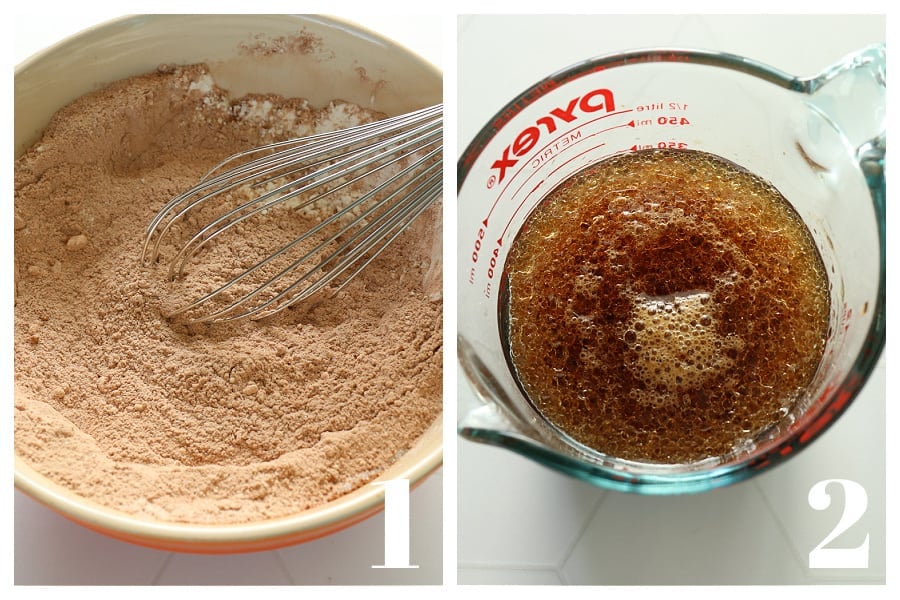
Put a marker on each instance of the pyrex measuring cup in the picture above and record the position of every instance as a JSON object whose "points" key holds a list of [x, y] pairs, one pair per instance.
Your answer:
{"points": [[819, 140]]}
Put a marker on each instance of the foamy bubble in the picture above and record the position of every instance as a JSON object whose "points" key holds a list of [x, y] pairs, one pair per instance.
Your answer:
{"points": [[676, 345]]}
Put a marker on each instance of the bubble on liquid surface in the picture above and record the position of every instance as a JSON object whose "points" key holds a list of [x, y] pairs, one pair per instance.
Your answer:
{"points": [[677, 348], [663, 305]]}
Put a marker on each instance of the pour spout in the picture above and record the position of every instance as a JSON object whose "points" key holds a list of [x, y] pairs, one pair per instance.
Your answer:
{"points": [[851, 95]]}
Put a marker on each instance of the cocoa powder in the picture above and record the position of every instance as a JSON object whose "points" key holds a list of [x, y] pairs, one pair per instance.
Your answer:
{"points": [[202, 424]]}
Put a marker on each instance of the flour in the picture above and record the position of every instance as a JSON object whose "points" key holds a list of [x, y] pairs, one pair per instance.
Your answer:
{"points": [[201, 424]]}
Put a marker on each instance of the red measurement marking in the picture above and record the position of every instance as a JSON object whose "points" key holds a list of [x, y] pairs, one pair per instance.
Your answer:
{"points": [[525, 199], [544, 148], [555, 140], [816, 426]]}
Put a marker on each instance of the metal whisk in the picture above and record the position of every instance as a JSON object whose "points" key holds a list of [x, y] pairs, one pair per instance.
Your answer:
{"points": [[393, 166]]}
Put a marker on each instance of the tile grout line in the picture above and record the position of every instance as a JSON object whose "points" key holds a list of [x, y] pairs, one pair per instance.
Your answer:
{"points": [[568, 553], [162, 568], [507, 567], [511, 567], [781, 528], [281, 565]]}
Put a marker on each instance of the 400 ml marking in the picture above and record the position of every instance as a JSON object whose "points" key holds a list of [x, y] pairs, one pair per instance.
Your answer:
{"points": [[492, 264]]}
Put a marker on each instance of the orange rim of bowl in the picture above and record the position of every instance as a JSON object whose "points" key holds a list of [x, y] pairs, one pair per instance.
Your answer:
{"points": [[305, 526]]}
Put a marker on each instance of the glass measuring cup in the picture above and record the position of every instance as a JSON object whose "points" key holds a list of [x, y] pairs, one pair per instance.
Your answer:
{"points": [[819, 140]]}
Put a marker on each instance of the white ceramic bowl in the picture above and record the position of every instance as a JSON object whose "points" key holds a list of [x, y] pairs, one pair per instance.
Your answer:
{"points": [[396, 81]]}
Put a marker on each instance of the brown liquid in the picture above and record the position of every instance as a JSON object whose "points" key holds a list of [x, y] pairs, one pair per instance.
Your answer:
{"points": [[665, 306]]}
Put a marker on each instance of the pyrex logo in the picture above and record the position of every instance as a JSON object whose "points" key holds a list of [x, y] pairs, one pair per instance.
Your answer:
{"points": [[529, 137]]}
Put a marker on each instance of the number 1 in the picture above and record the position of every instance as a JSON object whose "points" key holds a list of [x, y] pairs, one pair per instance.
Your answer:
{"points": [[396, 525]]}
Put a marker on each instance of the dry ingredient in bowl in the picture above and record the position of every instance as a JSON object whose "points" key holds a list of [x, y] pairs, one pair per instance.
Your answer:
{"points": [[202, 424]]}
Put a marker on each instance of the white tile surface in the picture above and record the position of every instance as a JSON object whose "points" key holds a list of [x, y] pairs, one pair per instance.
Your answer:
{"points": [[519, 523], [262, 568], [522, 576], [722, 537], [51, 550], [512, 514], [347, 557]]}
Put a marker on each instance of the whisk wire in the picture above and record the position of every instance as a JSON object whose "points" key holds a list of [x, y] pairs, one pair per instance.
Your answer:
{"points": [[298, 150], [318, 143], [413, 198], [301, 172], [283, 193], [374, 242], [321, 144], [345, 164]]}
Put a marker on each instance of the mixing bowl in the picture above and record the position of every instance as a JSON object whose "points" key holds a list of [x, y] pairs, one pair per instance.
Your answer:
{"points": [[355, 65]]}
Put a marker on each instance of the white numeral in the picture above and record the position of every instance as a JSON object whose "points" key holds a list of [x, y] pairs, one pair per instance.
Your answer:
{"points": [[855, 502], [396, 525]]}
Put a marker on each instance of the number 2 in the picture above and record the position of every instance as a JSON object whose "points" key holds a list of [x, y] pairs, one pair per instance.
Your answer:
{"points": [[855, 503]]}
